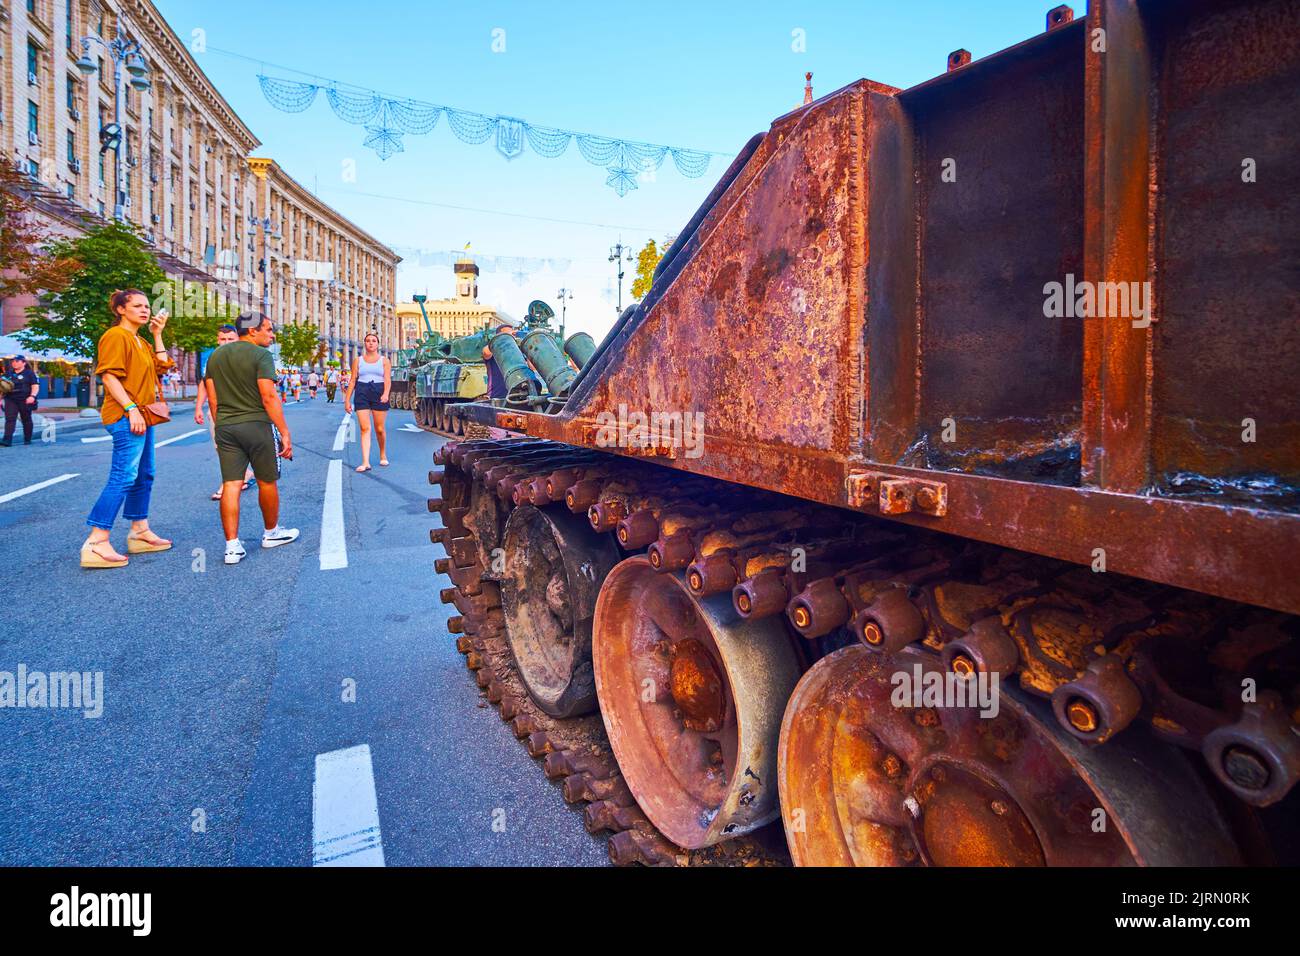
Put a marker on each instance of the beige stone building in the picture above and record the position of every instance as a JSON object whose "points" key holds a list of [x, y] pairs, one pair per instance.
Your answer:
{"points": [[188, 182], [459, 315], [362, 292]]}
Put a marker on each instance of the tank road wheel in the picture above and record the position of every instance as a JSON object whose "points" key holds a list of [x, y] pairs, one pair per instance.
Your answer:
{"points": [[866, 783], [691, 697], [554, 565], [420, 417]]}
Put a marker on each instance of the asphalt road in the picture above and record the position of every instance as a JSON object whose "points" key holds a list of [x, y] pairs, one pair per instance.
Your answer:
{"points": [[222, 685]]}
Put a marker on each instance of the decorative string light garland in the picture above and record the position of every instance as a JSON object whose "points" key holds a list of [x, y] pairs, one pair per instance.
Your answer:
{"points": [[387, 119]]}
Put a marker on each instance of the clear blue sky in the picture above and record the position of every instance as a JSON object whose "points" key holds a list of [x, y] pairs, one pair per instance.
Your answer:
{"points": [[704, 75]]}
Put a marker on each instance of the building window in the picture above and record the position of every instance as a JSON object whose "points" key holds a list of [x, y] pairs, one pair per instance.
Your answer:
{"points": [[72, 147], [72, 93], [31, 7], [33, 58], [68, 25], [101, 170], [33, 119]]}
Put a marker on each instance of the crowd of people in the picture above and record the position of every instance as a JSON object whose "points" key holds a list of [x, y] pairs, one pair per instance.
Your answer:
{"points": [[291, 382], [241, 398]]}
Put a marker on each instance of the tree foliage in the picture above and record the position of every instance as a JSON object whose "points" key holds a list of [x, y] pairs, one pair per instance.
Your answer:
{"points": [[197, 311], [647, 260], [26, 265], [298, 342], [71, 319]]}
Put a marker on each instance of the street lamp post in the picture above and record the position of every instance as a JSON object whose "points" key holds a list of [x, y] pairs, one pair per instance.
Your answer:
{"points": [[268, 233], [121, 51], [565, 296], [333, 286], [616, 256]]}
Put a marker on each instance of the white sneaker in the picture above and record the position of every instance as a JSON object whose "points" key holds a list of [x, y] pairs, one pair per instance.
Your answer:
{"points": [[236, 554], [278, 536]]}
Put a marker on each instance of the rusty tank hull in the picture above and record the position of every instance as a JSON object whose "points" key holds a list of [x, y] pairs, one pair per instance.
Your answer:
{"points": [[995, 378]]}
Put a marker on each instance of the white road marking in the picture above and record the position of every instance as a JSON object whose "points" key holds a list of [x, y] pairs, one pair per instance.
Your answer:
{"points": [[346, 433], [86, 441], [333, 540], [344, 810], [189, 434], [408, 427], [37, 487]]}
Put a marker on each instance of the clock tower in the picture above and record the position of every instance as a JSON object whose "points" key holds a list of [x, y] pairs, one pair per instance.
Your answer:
{"points": [[466, 279]]}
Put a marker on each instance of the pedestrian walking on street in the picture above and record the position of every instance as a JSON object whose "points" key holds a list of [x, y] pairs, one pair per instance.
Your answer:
{"points": [[373, 375], [313, 383], [331, 385], [282, 383], [295, 383], [19, 399], [132, 407], [251, 429], [225, 335]]}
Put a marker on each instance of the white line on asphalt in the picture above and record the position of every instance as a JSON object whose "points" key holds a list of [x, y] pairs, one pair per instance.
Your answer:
{"points": [[37, 487], [344, 810], [333, 541], [408, 427], [346, 433], [189, 434], [86, 441]]}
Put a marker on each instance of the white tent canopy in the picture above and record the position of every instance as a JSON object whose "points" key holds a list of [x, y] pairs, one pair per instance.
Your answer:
{"points": [[10, 346]]}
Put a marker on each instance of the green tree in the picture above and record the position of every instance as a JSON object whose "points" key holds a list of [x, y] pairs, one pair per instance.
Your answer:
{"points": [[298, 341], [193, 325], [71, 319]]}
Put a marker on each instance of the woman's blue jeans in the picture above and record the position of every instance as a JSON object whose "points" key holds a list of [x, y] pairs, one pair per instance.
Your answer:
{"points": [[130, 477]]}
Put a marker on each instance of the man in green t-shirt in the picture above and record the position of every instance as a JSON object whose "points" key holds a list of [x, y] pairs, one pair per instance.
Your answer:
{"points": [[250, 429]]}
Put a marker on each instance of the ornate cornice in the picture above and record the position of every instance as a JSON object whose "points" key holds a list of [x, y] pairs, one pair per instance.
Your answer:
{"points": [[269, 169], [155, 30]]}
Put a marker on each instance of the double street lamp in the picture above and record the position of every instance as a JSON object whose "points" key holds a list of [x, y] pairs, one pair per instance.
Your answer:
{"points": [[269, 233], [121, 51], [566, 296]]}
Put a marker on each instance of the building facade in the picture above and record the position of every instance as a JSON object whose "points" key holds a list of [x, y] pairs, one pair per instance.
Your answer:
{"points": [[188, 181], [357, 291], [460, 315]]}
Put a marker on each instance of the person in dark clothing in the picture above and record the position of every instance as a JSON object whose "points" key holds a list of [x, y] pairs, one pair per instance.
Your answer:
{"points": [[20, 402], [496, 380]]}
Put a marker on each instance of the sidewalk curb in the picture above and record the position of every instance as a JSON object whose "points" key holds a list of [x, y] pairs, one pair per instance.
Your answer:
{"points": [[73, 426]]}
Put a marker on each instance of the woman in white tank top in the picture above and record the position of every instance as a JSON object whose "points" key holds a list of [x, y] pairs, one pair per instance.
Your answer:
{"points": [[372, 377]]}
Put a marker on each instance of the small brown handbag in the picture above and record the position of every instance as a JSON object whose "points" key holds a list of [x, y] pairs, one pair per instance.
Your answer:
{"points": [[156, 412]]}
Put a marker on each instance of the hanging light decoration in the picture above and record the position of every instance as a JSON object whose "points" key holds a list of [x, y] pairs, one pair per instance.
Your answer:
{"points": [[387, 120]]}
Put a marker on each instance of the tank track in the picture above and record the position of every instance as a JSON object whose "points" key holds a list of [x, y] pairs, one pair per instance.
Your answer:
{"points": [[1106, 650], [575, 753], [430, 416]]}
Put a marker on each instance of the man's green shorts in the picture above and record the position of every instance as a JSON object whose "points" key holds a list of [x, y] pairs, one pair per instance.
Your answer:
{"points": [[249, 443]]}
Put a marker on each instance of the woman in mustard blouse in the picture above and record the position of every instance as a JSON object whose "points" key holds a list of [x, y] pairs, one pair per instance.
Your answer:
{"points": [[130, 369]]}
